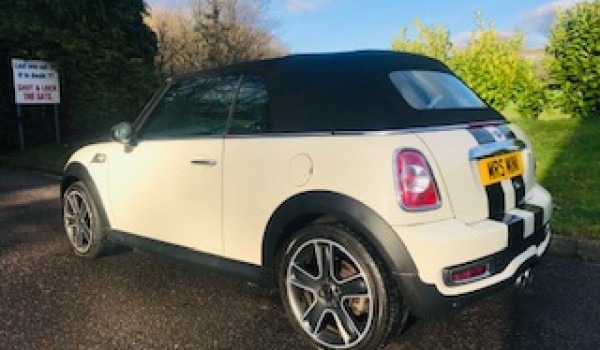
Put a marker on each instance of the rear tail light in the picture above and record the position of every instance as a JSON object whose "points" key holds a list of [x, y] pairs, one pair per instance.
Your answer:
{"points": [[416, 187]]}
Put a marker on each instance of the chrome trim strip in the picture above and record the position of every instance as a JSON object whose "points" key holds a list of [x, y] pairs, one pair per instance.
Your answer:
{"points": [[178, 138], [362, 132], [280, 134], [496, 148], [330, 133], [404, 131]]}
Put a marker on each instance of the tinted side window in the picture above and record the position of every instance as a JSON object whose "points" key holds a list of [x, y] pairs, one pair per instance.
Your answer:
{"points": [[195, 106], [251, 115]]}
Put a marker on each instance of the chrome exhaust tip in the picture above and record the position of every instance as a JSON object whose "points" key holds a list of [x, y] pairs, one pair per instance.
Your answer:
{"points": [[524, 279]]}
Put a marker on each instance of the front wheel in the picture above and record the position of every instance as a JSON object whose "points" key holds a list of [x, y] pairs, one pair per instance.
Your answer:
{"points": [[82, 223], [335, 291]]}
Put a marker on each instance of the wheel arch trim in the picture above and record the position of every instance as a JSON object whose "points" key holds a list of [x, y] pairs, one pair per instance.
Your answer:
{"points": [[76, 171], [358, 216]]}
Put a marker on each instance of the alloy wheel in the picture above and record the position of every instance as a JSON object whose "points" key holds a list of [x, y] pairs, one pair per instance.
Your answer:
{"points": [[329, 293], [78, 220]]}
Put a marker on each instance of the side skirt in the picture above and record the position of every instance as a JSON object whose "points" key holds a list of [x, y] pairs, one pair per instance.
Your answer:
{"points": [[248, 272]]}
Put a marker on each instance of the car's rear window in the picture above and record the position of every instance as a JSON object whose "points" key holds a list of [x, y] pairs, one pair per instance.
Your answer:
{"points": [[427, 90]]}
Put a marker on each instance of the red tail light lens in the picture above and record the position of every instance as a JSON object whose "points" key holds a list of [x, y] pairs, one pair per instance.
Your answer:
{"points": [[416, 187]]}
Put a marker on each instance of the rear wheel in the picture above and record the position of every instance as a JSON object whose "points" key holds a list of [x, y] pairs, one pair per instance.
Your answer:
{"points": [[335, 291], [82, 223]]}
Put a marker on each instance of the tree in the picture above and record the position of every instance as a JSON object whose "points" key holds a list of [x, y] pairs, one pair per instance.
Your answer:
{"points": [[213, 33], [492, 65], [431, 41], [179, 47], [234, 31], [574, 45], [102, 48]]}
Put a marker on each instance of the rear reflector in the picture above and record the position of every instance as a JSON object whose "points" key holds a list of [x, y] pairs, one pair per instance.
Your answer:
{"points": [[469, 274]]}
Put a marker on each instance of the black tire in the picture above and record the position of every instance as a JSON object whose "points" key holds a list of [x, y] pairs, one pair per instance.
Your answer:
{"points": [[82, 222], [322, 308]]}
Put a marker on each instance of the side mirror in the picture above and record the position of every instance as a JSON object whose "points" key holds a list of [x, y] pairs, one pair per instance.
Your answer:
{"points": [[123, 133]]}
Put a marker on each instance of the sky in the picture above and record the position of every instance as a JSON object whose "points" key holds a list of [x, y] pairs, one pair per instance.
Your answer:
{"points": [[344, 25]]}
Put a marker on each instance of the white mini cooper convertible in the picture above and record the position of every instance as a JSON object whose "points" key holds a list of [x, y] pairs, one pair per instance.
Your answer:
{"points": [[365, 185]]}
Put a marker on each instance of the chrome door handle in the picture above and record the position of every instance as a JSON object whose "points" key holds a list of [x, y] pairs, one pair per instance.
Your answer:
{"points": [[205, 162]]}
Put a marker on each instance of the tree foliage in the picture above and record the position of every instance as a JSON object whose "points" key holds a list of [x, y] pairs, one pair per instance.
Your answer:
{"points": [[179, 49], [213, 33], [490, 63], [102, 48], [432, 41], [234, 31], [574, 45]]}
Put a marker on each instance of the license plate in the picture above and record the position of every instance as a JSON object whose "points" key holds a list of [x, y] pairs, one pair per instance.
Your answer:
{"points": [[503, 167]]}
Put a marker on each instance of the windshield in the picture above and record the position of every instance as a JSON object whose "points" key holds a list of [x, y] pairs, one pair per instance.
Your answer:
{"points": [[426, 90]]}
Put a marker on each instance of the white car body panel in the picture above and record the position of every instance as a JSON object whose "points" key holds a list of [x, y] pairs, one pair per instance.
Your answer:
{"points": [[250, 197], [156, 191], [459, 175], [98, 170]]}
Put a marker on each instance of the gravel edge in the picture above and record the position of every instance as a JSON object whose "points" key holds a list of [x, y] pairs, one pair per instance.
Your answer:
{"points": [[575, 247]]}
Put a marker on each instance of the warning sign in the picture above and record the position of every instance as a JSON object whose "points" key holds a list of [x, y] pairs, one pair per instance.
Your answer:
{"points": [[36, 82]]}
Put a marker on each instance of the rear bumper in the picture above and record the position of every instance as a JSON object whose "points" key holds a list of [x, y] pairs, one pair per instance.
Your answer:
{"points": [[508, 245], [426, 301]]}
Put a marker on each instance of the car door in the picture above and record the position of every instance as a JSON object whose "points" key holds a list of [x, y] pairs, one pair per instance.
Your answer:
{"points": [[167, 186], [256, 172]]}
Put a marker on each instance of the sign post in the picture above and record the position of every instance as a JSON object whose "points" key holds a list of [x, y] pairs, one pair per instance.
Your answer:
{"points": [[36, 83], [56, 124], [20, 128]]}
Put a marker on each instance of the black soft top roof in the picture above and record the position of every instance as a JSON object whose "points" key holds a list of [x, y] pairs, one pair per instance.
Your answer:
{"points": [[348, 91]]}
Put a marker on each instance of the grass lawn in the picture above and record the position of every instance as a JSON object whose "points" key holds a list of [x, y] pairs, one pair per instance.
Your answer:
{"points": [[568, 165], [567, 156]]}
